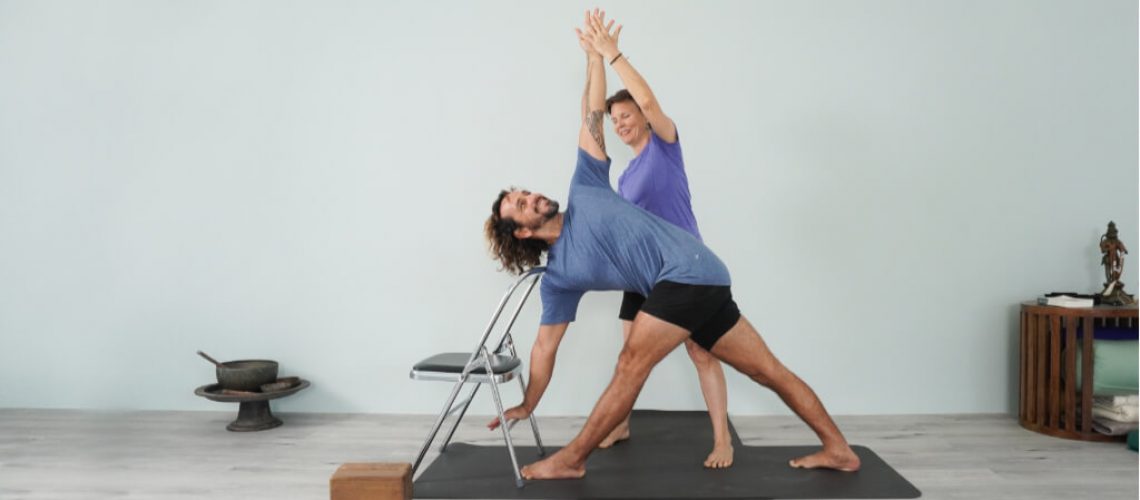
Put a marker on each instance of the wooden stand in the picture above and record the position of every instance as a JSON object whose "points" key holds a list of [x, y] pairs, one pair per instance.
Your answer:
{"points": [[1051, 402], [372, 481], [253, 411]]}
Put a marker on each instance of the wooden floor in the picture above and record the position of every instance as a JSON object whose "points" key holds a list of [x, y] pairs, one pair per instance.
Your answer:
{"points": [[56, 454]]}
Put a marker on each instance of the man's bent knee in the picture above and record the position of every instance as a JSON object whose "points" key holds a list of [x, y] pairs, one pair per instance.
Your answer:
{"points": [[768, 374], [632, 362]]}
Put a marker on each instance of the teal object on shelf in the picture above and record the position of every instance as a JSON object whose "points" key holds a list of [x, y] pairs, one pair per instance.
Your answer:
{"points": [[1115, 366], [1132, 440]]}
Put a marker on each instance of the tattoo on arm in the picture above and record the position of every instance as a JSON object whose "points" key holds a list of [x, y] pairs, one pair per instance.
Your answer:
{"points": [[586, 91], [594, 125]]}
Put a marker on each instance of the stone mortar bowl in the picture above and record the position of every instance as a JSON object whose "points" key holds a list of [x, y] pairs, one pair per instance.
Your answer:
{"points": [[246, 374]]}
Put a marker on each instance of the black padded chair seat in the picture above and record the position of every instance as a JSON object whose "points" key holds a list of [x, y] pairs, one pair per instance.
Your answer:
{"points": [[454, 362]]}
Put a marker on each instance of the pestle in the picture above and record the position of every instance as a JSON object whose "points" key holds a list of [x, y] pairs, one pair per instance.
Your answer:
{"points": [[208, 358]]}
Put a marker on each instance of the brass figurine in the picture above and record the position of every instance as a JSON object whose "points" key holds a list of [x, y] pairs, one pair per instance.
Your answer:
{"points": [[1113, 251]]}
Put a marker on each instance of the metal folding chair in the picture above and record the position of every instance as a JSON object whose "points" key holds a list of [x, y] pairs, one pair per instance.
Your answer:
{"points": [[481, 366]]}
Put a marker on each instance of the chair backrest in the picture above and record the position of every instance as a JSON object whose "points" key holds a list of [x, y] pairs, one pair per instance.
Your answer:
{"points": [[532, 275]]}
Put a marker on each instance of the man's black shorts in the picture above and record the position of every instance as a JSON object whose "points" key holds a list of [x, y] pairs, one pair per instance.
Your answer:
{"points": [[706, 311]]}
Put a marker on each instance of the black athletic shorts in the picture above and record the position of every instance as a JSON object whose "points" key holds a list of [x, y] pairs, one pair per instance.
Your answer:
{"points": [[706, 311]]}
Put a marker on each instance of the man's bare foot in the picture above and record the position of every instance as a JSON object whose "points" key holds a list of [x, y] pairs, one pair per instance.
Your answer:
{"points": [[720, 458], [553, 467], [620, 433], [842, 459]]}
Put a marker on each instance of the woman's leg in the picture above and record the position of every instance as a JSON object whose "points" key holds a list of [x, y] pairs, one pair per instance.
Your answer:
{"points": [[715, 391]]}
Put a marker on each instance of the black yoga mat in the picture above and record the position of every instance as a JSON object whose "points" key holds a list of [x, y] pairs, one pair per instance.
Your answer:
{"points": [[663, 460]]}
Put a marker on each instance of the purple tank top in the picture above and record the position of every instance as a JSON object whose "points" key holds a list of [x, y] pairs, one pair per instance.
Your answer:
{"points": [[655, 180]]}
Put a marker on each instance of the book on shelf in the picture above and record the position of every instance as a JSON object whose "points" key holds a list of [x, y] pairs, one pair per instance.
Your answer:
{"points": [[1066, 299]]}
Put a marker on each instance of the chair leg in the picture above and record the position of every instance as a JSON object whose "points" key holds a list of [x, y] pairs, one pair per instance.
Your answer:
{"points": [[503, 421], [455, 424], [533, 421], [438, 423]]}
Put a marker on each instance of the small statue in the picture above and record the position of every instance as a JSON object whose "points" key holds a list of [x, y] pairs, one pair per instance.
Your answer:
{"points": [[1113, 262]]}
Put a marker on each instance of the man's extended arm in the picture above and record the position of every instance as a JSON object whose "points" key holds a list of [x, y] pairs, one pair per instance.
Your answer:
{"points": [[542, 356], [591, 136], [591, 55]]}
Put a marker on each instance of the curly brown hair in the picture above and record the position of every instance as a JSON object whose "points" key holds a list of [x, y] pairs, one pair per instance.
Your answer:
{"points": [[515, 254]]}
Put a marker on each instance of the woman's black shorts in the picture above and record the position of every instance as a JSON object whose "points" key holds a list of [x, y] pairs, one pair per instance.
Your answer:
{"points": [[706, 311]]}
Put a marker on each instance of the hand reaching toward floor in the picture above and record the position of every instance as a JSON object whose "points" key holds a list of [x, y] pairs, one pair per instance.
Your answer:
{"points": [[517, 413]]}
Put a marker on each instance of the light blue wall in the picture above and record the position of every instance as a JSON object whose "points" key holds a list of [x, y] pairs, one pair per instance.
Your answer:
{"points": [[307, 181]]}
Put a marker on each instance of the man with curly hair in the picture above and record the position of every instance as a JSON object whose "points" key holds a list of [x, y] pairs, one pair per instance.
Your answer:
{"points": [[603, 242]]}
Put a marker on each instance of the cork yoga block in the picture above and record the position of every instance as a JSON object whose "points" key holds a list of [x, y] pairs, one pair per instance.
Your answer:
{"points": [[372, 481]]}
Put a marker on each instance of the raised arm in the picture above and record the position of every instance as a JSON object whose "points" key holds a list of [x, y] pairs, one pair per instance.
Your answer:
{"points": [[607, 45], [591, 136], [542, 356], [591, 57]]}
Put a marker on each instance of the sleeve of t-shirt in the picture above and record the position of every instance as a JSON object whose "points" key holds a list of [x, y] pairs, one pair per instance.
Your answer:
{"points": [[591, 171], [558, 305], [673, 150]]}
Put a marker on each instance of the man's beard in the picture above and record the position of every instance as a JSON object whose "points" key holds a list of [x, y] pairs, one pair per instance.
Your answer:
{"points": [[549, 214], [552, 211]]}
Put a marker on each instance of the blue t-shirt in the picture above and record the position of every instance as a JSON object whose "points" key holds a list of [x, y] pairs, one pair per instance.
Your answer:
{"points": [[607, 243], [655, 180]]}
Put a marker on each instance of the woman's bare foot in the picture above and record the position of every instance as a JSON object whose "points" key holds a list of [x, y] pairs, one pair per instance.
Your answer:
{"points": [[554, 467], [843, 459], [720, 458], [620, 433]]}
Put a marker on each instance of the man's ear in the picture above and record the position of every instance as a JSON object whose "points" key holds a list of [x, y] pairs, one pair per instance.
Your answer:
{"points": [[523, 233]]}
